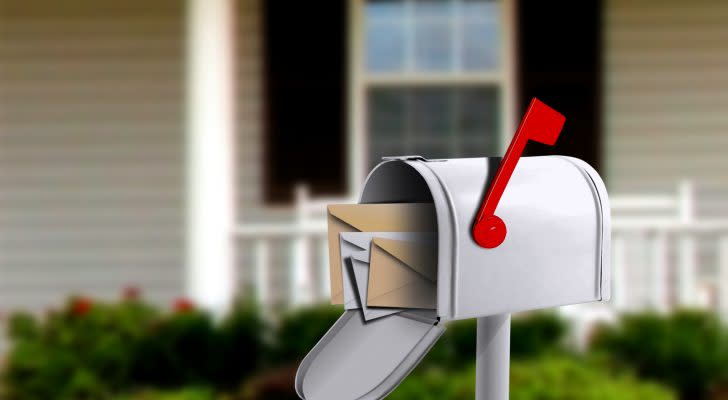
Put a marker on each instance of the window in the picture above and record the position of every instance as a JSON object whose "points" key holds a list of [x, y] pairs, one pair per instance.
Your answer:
{"points": [[433, 77]]}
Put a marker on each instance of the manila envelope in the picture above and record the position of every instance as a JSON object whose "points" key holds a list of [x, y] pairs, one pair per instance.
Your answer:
{"points": [[402, 274], [359, 243], [359, 264], [391, 217]]}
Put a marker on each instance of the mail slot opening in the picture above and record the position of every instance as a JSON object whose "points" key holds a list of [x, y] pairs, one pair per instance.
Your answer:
{"points": [[409, 181], [395, 182]]}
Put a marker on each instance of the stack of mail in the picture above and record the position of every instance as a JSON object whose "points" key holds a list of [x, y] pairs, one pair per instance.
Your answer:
{"points": [[383, 257]]}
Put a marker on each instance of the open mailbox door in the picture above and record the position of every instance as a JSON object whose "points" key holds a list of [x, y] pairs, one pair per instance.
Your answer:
{"points": [[365, 360]]}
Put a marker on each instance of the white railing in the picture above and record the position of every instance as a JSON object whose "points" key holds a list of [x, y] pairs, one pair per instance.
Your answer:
{"points": [[663, 260], [303, 245]]}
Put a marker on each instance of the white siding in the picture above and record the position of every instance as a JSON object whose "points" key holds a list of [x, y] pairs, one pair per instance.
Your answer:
{"points": [[91, 149], [666, 97]]}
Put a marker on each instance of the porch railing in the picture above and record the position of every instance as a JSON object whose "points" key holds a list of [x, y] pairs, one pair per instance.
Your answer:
{"points": [[662, 256]]}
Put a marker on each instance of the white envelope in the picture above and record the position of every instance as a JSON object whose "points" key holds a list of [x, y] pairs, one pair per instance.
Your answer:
{"points": [[355, 242], [359, 263]]}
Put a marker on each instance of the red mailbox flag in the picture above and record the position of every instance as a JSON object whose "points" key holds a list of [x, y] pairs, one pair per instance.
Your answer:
{"points": [[542, 124]]}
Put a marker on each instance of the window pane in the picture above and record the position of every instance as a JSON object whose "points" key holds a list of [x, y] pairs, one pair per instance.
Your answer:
{"points": [[386, 147], [478, 112], [435, 122], [384, 9], [479, 8], [432, 112], [433, 35], [481, 45], [439, 149], [433, 46], [387, 113], [437, 9], [478, 147], [385, 46]]}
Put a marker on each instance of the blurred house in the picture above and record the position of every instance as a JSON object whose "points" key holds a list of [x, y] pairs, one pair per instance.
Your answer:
{"points": [[188, 148]]}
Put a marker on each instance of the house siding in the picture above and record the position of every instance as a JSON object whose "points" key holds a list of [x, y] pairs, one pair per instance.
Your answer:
{"points": [[666, 98], [91, 150]]}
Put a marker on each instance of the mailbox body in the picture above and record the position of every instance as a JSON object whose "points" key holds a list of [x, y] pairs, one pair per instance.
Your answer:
{"points": [[556, 251]]}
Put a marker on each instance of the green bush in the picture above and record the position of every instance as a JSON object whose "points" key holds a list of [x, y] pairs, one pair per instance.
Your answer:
{"points": [[567, 378], [179, 350], [190, 393], [536, 333], [93, 350], [687, 350], [531, 334], [299, 330], [79, 352], [543, 378]]}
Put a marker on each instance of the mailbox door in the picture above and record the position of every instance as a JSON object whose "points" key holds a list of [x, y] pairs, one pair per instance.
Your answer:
{"points": [[366, 360]]}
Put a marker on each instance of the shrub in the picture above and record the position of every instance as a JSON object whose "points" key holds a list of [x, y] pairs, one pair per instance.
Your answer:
{"points": [[531, 334], [188, 348], [190, 393], [240, 346], [687, 350], [93, 350], [543, 378], [536, 333], [79, 352], [275, 384], [177, 351], [567, 378], [299, 330]]}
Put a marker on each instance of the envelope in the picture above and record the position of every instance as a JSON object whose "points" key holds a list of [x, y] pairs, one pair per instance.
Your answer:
{"points": [[351, 243], [359, 264], [402, 275], [392, 217]]}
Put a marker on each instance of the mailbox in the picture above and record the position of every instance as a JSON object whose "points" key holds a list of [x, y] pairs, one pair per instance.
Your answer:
{"points": [[556, 252]]}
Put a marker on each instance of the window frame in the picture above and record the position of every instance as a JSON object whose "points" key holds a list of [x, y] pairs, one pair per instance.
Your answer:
{"points": [[360, 80]]}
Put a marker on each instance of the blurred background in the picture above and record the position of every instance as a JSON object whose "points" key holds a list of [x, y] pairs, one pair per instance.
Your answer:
{"points": [[165, 165]]}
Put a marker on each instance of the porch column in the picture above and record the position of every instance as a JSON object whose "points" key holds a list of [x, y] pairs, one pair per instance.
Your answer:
{"points": [[210, 277]]}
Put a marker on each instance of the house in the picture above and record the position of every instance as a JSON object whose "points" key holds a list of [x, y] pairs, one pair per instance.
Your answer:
{"points": [[186, 147]]}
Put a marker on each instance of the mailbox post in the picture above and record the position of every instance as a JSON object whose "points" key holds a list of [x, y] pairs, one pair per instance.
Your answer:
{"points": [[492, 358]]}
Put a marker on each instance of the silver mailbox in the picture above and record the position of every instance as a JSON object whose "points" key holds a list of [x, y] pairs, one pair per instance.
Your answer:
{"points": [[556, 253]]}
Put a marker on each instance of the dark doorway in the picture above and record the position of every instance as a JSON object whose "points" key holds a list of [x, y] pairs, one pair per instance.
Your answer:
{"points": [[305, 90], [560, 62]]}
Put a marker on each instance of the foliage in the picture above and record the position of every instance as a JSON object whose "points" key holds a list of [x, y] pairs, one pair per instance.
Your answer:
{"points": [[542, 378], [93, 350], [190, 393], [536, 333], [299, 330], [79, 352], [276, 384], [687, 350], [531, 334]]}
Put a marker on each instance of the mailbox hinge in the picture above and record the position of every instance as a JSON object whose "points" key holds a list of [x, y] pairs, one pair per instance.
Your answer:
{"points": [[411, 158], [404, 158]]}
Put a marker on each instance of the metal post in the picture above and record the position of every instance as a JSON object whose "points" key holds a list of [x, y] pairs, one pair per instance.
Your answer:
{"points": [[493, 356]]}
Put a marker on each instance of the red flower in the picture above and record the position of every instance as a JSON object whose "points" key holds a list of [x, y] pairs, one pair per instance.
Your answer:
{"points": [[131, 293], [182, 305], [81, 306]]}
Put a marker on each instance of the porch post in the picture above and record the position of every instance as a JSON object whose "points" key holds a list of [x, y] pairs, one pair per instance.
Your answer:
{"points": [[210, 277]]}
